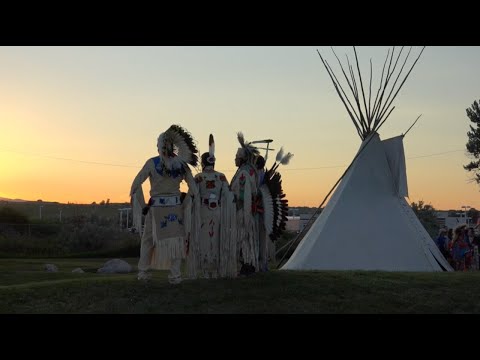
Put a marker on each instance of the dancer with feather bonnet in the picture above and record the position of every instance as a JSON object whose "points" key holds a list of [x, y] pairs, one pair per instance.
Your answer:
{"points": [[167, 221]]}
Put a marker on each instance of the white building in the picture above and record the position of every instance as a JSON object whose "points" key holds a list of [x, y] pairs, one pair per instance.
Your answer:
{"points": [[298, 222], [452, 219]]}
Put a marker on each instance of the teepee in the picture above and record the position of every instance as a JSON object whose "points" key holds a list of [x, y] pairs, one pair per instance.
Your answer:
{"points": [[367, 224]]}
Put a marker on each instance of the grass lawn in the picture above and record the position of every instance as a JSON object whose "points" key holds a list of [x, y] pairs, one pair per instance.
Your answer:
{"points": [[26, 288]]}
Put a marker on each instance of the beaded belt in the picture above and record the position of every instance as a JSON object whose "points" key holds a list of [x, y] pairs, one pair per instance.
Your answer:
{"points": [[165, 200]]}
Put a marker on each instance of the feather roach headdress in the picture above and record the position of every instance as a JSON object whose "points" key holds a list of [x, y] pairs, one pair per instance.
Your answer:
{"points": [[208, 158], [211, 150], [177, 148]]}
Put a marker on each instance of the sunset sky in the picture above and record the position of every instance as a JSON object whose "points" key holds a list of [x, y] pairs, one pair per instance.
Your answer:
{"points": [[78, 123]]}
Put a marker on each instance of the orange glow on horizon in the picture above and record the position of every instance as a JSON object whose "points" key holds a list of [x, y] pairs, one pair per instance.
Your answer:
{"points": [[78, 123]]}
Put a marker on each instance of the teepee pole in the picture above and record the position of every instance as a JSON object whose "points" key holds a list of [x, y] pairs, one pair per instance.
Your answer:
{"points": [[401, 84], [353, 88], [412, 125], [361, 86], [338, 87], [377, 99]]}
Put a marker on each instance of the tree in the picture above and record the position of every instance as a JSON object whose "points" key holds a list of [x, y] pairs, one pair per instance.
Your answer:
{"points": [[427, 216], [12, 220], [473, 214], [473, 144]]}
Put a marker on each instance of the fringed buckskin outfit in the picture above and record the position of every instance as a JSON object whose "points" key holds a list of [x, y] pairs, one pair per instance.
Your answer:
{"points": [[213, 238], [163, 243]]}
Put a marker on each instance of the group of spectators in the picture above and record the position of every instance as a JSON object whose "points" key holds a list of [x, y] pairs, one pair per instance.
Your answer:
{"points": [[460, 246]]}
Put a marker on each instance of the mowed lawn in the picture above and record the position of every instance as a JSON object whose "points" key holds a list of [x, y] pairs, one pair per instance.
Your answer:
{"points": [[26, 288]]}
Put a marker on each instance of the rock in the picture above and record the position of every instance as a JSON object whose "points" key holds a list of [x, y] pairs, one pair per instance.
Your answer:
{"points": [[50, 268], [78, 270], [115, 266]]}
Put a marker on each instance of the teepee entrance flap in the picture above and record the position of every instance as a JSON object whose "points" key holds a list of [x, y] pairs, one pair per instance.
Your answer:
{"points": [[396, 161]]}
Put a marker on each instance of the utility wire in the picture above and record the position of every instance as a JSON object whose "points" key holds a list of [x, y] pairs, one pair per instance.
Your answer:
{"points": [[229, 170]]}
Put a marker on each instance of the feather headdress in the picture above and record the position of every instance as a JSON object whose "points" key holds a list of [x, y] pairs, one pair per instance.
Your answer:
{"points": [[249, 152], [177, 148]]}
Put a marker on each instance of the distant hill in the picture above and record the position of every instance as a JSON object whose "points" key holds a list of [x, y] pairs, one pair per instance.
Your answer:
{"points": [[12, 200]]}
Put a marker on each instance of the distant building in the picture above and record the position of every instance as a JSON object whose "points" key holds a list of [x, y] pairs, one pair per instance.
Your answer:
{"points": [[297, 223], [293, 223], [452, 219]]}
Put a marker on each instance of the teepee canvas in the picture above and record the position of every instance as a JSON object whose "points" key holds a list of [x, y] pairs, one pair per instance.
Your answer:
{"points": [[367, 223]]}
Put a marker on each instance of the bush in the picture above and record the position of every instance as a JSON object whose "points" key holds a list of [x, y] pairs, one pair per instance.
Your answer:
{"points": [[12, 222], [9, 215], [427, 216], [78, 236]]}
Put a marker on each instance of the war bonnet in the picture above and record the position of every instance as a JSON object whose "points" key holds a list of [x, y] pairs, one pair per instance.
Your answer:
{"points": [[176, 147]]}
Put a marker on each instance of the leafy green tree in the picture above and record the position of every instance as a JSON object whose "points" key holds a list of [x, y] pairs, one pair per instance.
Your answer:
{"points": [[426, 213], [473, 144]]}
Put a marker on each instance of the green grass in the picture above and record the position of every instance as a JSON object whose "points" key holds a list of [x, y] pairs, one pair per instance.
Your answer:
{"points": [[26, 288]]}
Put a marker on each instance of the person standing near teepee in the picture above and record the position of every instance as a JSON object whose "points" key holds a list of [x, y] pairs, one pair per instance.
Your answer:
{"points": [[163, 240], [261, 205], [260, 216], [244, 185]]}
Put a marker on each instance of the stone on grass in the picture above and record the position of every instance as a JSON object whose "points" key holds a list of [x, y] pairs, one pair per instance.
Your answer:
{"points": [[50, 268], [115, 266]]}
